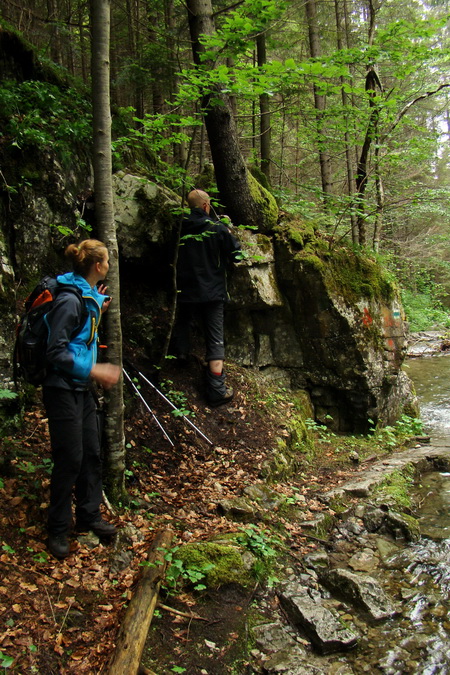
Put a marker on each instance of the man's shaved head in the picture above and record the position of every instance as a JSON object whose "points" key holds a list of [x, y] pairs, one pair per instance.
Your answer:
{"points": [[197, 198]]}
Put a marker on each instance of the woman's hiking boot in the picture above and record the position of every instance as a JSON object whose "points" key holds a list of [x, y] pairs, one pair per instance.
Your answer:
{"points": [[58, 545]]}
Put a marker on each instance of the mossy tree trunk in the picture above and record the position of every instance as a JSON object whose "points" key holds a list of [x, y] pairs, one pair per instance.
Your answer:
{"points": [[246, 201], [104, 208]]}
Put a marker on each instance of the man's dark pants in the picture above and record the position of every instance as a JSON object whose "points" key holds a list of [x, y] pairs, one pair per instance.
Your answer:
{"points": [[211, 315], [75, 445]]}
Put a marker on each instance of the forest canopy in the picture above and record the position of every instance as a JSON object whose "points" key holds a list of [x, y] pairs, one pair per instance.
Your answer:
{"points": [[340, 108]]}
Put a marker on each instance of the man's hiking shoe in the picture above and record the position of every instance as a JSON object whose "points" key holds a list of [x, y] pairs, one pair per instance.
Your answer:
{"points": [[182, 360], [58, 545], [216, 391], [215, 402], [99, 527]]}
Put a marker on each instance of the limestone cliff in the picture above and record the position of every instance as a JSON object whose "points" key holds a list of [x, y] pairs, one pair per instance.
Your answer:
{"points": [[325, 321]]}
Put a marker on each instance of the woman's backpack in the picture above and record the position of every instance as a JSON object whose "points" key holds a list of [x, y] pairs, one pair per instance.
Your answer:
{"points": [[30, 348]]}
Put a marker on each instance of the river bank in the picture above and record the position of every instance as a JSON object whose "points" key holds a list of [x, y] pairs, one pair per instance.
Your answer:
{"points": [[356, 603], [254, 532]]}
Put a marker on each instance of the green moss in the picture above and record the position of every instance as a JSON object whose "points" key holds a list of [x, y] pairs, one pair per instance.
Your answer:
{"points": [[260, 176], [266, 204], [397, 486], [299, 233], [264, 243], [324, 527], [412, 525], [338, 504], [302, 403], [312, 262], [354, 275], [221, 563]]}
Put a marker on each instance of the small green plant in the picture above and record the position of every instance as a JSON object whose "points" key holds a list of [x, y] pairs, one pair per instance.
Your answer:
{"points": [[259, 541], [5, 660], [178, 398], [7, 394], [7, 548], [321, 430], [189, 574]]}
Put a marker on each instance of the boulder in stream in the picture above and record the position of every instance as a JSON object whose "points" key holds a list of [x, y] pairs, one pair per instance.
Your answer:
{"points": [[322, 626], [362, 590]]}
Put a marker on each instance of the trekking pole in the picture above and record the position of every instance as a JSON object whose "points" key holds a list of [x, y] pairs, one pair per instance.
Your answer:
{"points": [[174, 407], [148, 407]]}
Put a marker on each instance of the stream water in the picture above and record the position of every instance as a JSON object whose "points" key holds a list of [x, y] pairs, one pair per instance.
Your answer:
{"points": [[418, 642], [431, 377]]}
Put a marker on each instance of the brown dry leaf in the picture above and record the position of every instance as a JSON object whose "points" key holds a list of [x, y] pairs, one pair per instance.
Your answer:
{"points": [[16, 500], [74, 583], [106, 608], [17, 608], [32, 588], [58, 648]]}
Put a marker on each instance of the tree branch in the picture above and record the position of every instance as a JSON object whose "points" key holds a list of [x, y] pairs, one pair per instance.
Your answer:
{"points": [[409, 105]]}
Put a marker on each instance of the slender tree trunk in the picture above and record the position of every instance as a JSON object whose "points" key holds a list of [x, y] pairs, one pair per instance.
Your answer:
{"points": [[264, 109], [380, 202], [104, 207], [319, 104], [348, 154], [362, 170], [372, 83], [82, 42], [247, 202], [282, 144], [55, 36]]}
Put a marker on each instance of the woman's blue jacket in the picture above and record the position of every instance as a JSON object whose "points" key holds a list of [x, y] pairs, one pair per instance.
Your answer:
{"points": [[72, 352]]}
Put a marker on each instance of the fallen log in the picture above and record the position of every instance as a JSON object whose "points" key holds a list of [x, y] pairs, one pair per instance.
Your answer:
{"points": [[133, 632]]}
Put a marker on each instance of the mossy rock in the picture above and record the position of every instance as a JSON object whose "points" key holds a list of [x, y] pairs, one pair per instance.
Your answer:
{"points": [[395, 489], [222, 563], [298, 234], [354, 275]]}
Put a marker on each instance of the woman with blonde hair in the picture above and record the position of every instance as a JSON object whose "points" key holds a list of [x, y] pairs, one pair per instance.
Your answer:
{"points": [[71, 409]]}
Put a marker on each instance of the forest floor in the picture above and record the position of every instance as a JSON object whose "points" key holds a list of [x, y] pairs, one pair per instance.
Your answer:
{"points": [[64, 616]]}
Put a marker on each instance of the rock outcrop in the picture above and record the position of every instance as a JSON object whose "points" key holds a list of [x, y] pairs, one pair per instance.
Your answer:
{"points": [[325, 322]]}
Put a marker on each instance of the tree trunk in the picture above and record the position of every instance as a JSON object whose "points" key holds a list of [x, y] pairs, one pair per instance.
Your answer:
{"points": [[55, 34], [264, 109], [134, 629], [247, 202], [348, 157], [380, 202], [104, 208], [319, 104]]}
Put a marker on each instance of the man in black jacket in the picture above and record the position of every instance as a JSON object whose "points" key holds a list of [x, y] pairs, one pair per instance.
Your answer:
{"points": [[206, 247]]}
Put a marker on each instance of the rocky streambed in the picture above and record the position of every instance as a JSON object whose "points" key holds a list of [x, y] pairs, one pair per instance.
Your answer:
{"points": [[374, 598]]}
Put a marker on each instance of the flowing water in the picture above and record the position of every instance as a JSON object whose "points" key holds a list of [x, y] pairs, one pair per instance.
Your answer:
{"points": [[417, 641], [431, 377]]}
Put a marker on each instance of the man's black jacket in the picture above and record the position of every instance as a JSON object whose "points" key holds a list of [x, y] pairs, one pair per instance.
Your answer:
{"points": [[205, 249]]}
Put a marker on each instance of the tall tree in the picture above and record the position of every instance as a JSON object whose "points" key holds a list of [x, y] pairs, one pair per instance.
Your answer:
{"points": [[264, 109], [104, 209], [247, 202], [319, 103]]}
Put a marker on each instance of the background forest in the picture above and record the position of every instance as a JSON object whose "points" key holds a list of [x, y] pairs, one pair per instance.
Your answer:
{"points": [[340, 108]]}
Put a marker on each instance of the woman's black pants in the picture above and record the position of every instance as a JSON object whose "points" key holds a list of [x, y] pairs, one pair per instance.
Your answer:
{"points": [[72, 421]]}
